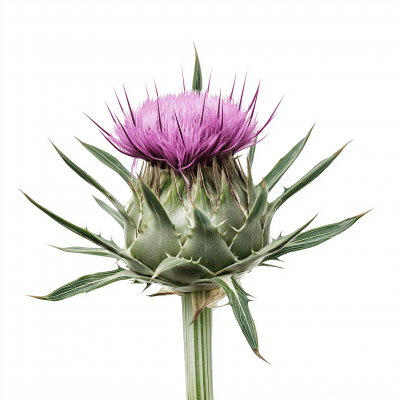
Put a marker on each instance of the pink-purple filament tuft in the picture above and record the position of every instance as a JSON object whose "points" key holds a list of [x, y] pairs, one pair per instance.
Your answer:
{"points": [[186, 129]]}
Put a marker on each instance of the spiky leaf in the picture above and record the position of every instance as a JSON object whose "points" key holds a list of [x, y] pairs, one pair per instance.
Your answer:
{"points": [[255, 258], [87, 283], [238, 300], [229, 215], [300, 184], [96, 239], [174, 207], [285, 162], [249, 237], [252, 151], [109, 210], [110, 161], [129, 228], [159, 238], [206, 245], [316, 236], [94, 251], [182, 271]]}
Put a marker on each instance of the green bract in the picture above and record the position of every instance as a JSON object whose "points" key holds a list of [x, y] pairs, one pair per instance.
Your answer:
{"points": [[199, 236]]}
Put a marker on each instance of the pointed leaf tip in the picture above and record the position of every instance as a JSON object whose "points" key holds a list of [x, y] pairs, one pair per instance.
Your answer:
{"points": [[35, 297], [80, 141], [197, 75], [257, 353], [342, 148], [362, 214]]}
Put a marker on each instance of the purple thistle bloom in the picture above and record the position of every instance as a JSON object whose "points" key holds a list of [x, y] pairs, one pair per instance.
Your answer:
{"points": [[186, 129]]}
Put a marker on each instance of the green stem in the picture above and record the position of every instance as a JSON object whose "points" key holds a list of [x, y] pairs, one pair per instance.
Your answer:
{"points": [[198, 359]]}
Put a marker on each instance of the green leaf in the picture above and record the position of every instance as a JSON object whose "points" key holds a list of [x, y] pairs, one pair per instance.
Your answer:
{"points": [[250, 235], [114, 213], [300, 184], [87, 283], [159, 238], [182, 271], [197, 77], [229, 216], [94, 251], [316, 236], [206, 245], [129, 227], [96, 239], [238, 300], [284, 163], [110, 161], [252, 152]]}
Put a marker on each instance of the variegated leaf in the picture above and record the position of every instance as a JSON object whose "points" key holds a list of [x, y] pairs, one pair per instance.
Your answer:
{"points": [[238, 300], [88, 283]]}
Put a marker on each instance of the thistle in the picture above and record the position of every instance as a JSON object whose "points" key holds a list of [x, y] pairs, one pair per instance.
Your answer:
{"points": [[196, 222]]}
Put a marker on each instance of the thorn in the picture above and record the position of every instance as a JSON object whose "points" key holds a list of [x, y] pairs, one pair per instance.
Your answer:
{"points": [[257, 353], [36, 297], [341, 149], [361, 215], [25, 194], [148, 284], [80, 141], [53, 246]]}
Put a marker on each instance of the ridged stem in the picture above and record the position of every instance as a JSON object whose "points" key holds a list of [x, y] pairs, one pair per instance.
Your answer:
{"points": [[198, 358]]}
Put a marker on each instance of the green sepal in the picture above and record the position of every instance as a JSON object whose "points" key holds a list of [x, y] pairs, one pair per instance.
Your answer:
{"points": [[238, 300], [174, 208], [93, 251], [197, 84], [265, 253], [182, 271], [285, 162], [316, 236], [87, 283], [110, 161], [249, 237], [202, 200], [229, 216], [159, 238], [114, 213], [134, 207], [251, 189], [300, 184], [129, 228], [237, 181], [252, 151], [206, 245]]}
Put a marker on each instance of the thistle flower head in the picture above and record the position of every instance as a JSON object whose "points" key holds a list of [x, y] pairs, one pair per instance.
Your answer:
{"points": [[195, 222], [186, 129]]}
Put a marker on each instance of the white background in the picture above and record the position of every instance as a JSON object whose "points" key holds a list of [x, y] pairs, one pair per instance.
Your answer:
{"points": [[328, 322]]}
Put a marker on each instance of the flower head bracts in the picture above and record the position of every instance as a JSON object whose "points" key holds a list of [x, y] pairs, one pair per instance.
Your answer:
{"points": [[183, 130]]}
